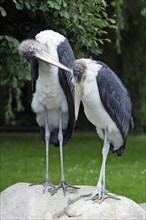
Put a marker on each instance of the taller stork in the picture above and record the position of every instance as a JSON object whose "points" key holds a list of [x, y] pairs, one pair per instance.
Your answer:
{"points": [[53, 92], [107, 106]]}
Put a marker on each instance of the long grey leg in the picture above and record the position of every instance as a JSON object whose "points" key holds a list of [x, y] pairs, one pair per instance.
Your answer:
{"points": [[60, 138], [47, 181], [101, 181], [62, 184], [100, 190], [47, 139]]}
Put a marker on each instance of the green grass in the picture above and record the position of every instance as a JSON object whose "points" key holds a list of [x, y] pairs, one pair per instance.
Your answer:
{"points": [[23, 160]]}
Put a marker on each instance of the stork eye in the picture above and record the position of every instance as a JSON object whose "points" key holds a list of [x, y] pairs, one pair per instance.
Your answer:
{"points": [[77, 72], [78, 69]]}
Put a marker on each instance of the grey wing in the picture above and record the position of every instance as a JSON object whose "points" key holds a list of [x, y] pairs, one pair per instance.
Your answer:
{"points": [[34, 73], [66, 57], [115, 99]]}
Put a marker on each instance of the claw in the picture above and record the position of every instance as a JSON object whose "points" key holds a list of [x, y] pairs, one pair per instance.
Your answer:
{"points": [[64, 187], [45, 184], [101, 194]]}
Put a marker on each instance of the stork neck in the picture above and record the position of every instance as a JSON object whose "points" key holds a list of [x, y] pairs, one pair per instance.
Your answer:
{"points": [[47, 72], [78, 97]]}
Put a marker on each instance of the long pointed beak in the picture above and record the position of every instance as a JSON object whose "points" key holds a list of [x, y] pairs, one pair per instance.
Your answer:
{"points": [[32, 48], [42, 55]]}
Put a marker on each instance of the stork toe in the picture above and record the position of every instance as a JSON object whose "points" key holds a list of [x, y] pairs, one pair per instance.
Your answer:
{"points": [[45, 184], [64, 187], [101, 194]]}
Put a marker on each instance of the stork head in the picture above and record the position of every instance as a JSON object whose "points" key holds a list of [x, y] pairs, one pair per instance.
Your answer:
{"points": [[79, 77], [79, 71], [28, 48], [36, 50]]}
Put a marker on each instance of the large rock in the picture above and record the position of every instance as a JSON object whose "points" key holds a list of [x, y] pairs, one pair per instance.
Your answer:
{"points": [[21, 201]]}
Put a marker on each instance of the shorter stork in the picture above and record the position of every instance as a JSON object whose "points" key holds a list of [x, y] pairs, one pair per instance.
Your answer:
{"points": [[107, 106]]}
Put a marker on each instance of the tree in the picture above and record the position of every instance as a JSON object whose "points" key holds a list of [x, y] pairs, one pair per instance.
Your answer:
{"points": [[84, 23]]}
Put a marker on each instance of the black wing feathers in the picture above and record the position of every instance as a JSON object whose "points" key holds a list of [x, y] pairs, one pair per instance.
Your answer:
{"points": [[34, 73], [66, 57], [115, 99]]}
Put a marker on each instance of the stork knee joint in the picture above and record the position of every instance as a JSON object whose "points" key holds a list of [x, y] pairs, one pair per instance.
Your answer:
{"points": [[60, 136], [47, 136]]}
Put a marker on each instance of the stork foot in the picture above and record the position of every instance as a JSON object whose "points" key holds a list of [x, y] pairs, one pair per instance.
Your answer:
{"points": [[45, 184], [101, 194], [64, 187]]}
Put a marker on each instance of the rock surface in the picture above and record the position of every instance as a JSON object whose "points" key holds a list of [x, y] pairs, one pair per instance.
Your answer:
{"points": [[143, 205], [20, 201]]}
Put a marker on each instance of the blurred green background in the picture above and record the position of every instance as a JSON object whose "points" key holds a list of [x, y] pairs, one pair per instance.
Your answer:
{"points": [[110, 31]]}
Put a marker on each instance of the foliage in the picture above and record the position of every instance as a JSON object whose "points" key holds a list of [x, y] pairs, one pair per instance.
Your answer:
{"points": [[83, 23], [23, 160], [10, 72], [130, 42]]}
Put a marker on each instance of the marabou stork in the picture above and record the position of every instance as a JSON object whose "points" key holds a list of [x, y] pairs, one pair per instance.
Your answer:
{"points": [[53, 88], [107, 106]]}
